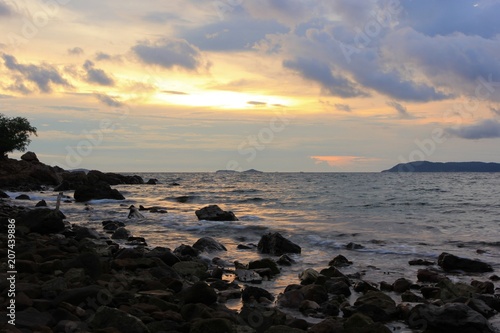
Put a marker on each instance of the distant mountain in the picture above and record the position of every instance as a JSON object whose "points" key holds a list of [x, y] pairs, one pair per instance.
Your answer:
{"points": [[252, 171], [426, 166]]}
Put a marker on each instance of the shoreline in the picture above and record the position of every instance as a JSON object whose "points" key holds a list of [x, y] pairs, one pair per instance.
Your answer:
{"points": [[328, 297]]}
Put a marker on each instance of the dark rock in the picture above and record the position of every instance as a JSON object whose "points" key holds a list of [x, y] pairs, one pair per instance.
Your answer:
{"points": [[428, 275], [261, 318], [208, 244], [408, 296], [112, 225], [329, 325], [84, 232], [401, 285], [354, 246], [4, 195], [359, 323], [255, 293], [485, 287], [276, 244], [32, 318], [385, 286], [285, 260], [199, 292], [186, 250], [338, 286], [136, 241], [30, 157], [23, 197], [245, 247], [42, 220], [152, 181], [332, 272], [27, 176], [164, 254], [492, 301], [481, 307], [377, 305], [451, 262], [99, 190], [340, 261], [420, 262], [120, 233], [41, 203], [451, 317], [430, 292], [314, 292], [364, 287], [189, 269], [77, 296], [308, 276], [106, 317], [283, 329], [265, 263], [215, 325], [215, 213], [249, 276], [291, 299], [450, 291]]}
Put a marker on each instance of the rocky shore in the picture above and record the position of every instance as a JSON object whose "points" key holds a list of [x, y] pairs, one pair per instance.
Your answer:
{"points": [[76, 279]]}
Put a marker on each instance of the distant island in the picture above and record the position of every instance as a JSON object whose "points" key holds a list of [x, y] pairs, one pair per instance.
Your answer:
{"points": [[426, 166], [234, 171]]}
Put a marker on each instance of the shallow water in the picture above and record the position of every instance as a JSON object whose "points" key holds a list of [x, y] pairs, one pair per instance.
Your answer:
{"points": [[396, 217]]}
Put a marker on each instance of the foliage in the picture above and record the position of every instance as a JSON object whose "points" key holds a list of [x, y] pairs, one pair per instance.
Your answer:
{"points": [[14, 134]]}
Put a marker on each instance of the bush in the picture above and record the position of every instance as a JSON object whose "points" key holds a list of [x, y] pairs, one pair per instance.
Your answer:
{"points": [[14, 134]]}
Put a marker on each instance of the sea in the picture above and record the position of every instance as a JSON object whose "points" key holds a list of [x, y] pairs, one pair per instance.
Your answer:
{"points": [[394, 217]]}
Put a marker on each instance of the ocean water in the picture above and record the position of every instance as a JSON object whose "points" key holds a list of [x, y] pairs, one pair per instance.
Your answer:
{"points": [[396, 217]]}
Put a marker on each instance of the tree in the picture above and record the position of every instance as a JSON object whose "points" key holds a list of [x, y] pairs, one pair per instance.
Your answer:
{"points": [[14, 134]]}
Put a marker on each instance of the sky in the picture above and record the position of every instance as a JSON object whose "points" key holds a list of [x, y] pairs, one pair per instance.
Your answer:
{"points": [[273, 85]]}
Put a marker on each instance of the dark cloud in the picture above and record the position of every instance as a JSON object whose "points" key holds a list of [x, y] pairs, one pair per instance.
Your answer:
{"points": [[72, 108], [320, 72], [102, 56], [257, 103], [343, 107], [109, 100], [5, 10], [174, 92], [5, 96], [169, 53], [401, 109], [484, 129], [43, 76], [96, 75], [76, 51]]}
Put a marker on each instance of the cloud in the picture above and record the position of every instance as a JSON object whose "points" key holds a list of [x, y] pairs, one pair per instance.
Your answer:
{"points": [[169, 53], [257, 103], [76, 51], [495, 111], [109, 100], [96, 75], [43, 76], [401, 109], [321, 73], [342, 161], [102, 56], [5, 10], [69, 107], [343, 107], [174, 92], [484, 129], [159, 17]]}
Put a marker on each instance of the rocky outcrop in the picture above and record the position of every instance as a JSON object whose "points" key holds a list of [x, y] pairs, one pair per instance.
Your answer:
{"points": [[96, 191], [451, 262], [42, 220], [276, 244], [215, 213], [27, 174]]}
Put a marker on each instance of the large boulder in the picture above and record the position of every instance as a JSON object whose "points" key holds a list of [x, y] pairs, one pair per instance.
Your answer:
{"points": [[208, 244], [450, 262], [376, 305], [113, 178], [27, 175], [276, 244], [215, 213], [451, 317], [42, 220], [106, 317], [29, 157], [99, 190]]}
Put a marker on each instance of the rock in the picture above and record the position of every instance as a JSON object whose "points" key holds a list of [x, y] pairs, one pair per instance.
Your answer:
{"points": [[420, 262], [84, 232], [27, 176], [314, 292], [428, 275], [481, 307], [364, 287], [189, 269], [430, 292], [208, 244], [23, 197], [29, 157], [339, 261], [41, 203], [42, 220], [308, 276], [354, 246], [112, 225], [377, 305], [451, 262], [245, 275], [450, 291], [110, 317], [276, 244], [285, 260], [291, 299], [136, 241], [283, 329], [152, 181], [265, 263], [485, 287], [186, 250], [76, 296], [199, 292], [214, 325], [401, 285], [97, 191], [215, 213], [120, 233], [255, 293], [410, 297], [329, 325], [359, 323], [338, 286], [4, 195], [32, 318], [164, 254], [451, 317]]}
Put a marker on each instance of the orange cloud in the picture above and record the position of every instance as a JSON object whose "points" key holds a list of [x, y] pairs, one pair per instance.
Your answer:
{"points": [[339, 161]]}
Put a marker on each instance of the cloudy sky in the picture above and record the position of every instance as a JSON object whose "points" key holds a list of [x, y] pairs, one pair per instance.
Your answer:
{"points": [[275, 85]]}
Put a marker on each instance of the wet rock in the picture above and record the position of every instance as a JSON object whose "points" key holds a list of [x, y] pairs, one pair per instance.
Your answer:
{"points": [[215, 325], [245, 275], [385, 286], [199, 292], [377, 305], [314, 292], [84, 232], [364, 287], [329, 325], [112, 225], [215, 213], [291, 299], [208, 244], [354, 246], [246, 246], [481, 307], [276, 244], [285, 260], [450, 290], [421, 262], [485, 287], [261, 318], [308, 276], [338, 286], [120, 233], [4, 195], [136, 241], [23, 197], [428, 275], [189, 269], [339, 261], [41, 203], [265, 263], [186, 251], [333, 272], [42, 220], [401, 285], [152, 181], [164, 254], [110, 317], [408, 296], [250, 294], [96, 191], [283, 329], [451, 317], [451, 262], [430, 292]]}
